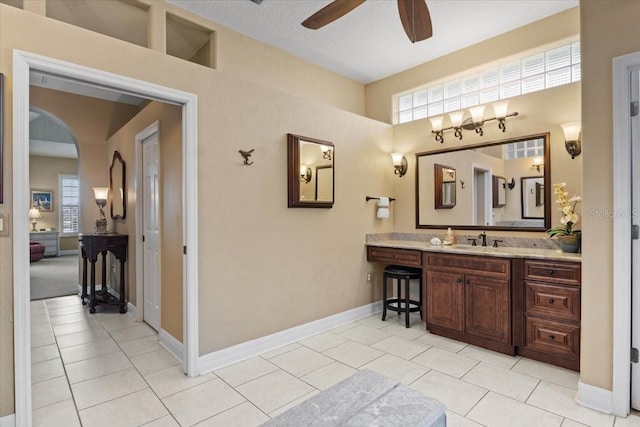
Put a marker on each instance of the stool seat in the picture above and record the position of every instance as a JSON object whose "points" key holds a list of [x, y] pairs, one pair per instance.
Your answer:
{"points": [[400, 304]]}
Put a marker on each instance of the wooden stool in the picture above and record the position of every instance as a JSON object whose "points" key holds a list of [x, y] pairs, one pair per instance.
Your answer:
{"points": [[399, 304]]}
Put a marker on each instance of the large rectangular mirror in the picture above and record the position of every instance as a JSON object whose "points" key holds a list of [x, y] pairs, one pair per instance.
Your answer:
{"points": [[485, 195], [310, 172]]}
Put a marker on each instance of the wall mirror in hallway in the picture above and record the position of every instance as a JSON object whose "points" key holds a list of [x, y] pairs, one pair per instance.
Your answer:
{"points": [[479, 202], [118, 190], [310, 172]]}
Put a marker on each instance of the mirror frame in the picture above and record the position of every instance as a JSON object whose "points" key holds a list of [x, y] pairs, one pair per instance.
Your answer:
{"points": [[118, 158], [546, 174], [293, 173]]}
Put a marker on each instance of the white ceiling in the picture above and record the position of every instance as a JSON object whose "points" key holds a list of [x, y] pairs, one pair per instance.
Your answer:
{"points": [[369, 43]]}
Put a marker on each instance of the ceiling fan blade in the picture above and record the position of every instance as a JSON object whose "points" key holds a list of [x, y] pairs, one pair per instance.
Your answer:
{"points": [[416, 20], [330, 13]]}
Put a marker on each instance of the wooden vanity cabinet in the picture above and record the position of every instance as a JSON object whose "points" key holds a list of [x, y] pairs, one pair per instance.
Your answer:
{"points": [[468, 298], [551, 320]]}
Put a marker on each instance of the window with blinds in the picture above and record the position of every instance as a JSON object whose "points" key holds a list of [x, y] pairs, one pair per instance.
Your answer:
{"points": [[543, 70], [69, 204]]}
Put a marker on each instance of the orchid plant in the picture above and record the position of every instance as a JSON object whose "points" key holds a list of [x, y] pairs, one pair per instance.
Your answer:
{"points": [[567, 207]]}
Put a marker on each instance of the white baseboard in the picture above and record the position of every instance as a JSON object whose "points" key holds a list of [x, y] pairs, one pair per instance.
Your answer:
{"points": [[173, 346], [69, 252], [132, 310], [8, 421], [221, 358], [596, 398]]}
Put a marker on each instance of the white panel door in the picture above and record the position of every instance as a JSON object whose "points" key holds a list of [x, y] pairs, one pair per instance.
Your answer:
{"points": [[151, 231], [635, 281]]}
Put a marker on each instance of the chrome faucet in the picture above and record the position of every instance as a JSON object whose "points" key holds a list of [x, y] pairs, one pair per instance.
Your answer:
{"points": [[483, 236]]}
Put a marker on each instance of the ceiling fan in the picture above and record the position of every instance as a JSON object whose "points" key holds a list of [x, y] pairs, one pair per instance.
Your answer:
{"points": [[414, 16]]}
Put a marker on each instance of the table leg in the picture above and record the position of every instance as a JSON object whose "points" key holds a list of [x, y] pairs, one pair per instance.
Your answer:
{"points": [[84, 295], [92, 299], [123, 303]]}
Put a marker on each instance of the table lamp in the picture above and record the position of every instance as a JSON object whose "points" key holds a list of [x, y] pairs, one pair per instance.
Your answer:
{"points": [[34, 214], [101, 194]]}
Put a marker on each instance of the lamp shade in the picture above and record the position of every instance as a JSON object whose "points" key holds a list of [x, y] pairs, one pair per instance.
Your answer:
{"points": [[537, 161], [303, 170], [34, 213], [101, 193], [436, 123], [500, 109], [325, 148], [477, 113], [397, 158], [456, 118], [571, 131]]}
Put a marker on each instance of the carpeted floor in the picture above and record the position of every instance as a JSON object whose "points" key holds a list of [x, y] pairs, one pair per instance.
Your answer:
{"points": [[54, 277]]}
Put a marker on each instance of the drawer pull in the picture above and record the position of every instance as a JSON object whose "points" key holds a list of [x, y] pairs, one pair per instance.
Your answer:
{"points": [[551, 300], [459, 280], [551, 272], [552, 337]]}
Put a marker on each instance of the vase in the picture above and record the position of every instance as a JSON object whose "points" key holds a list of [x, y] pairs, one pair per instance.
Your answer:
{"points": [[569, 243]]}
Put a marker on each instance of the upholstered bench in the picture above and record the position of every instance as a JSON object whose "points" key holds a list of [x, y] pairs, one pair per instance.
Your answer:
{"points": [[36, 251], [363, 400]]}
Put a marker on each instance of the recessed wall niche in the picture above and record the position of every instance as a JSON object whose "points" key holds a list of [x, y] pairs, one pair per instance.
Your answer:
{"points": [[189, 41], [125, 20]]}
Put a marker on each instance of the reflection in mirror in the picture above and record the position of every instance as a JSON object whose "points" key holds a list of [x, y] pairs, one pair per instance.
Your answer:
{"points": [[532, 197], [445, 187], [499, 191], [118, 191], [310, 172], [486, 201]]}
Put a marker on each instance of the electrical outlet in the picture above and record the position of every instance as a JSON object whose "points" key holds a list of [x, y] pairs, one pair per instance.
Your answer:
{"points": [[368, 276]]}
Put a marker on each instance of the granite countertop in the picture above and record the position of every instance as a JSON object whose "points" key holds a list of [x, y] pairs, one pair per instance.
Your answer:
{"points": [[503, 252]]}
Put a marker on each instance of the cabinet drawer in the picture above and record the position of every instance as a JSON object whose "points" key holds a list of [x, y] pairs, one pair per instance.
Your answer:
{"points": [[556, 272], [558, 302], [490, 266], [406, 257], [556, 338]]}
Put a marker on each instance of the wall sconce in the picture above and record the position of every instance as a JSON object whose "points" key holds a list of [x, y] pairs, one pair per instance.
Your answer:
{"points": [[326, 152], [34, 214], [537, 163], [400, 164], [572, 138], [101, 194], [305, 174], [475, 122]]}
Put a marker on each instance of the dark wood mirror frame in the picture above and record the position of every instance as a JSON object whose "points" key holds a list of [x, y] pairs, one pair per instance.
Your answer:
{"points": [[546, 175], [293, 173], [112, 193]]}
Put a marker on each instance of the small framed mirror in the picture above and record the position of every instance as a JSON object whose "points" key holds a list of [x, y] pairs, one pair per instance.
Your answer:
{"points": [[532, 197], [445, 187], [310, 172], [117, 187], [499, 191]]}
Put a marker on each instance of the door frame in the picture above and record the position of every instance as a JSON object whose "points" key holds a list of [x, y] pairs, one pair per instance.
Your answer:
{"points": [[487, 172], [621, 396], [153, 128], [23, 64]]}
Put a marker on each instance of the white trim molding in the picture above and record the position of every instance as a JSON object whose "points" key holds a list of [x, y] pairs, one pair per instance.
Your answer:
{"points": [[23, 64], [621, 397], [221, 358], [596, 398], [171, 343], [8, 420], [132, 310]]}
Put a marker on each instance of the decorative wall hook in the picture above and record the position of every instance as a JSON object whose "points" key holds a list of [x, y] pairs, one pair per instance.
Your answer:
{"points": [[511, 184], [245, 155], [462, 184]]}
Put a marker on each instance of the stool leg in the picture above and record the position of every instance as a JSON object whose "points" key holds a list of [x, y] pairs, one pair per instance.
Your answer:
{"points": [[420, 300], [399, 294], [407, 306], [384, 296]]}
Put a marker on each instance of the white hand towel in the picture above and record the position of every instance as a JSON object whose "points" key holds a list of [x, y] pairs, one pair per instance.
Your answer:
{"points": [[383, 202], [383, 212]]}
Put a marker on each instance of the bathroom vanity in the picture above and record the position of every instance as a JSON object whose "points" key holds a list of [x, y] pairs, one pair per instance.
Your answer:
{"points": [[512, 300]]}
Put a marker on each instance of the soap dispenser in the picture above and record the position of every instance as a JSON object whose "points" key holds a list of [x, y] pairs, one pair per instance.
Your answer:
{"points": [[448, 237]]}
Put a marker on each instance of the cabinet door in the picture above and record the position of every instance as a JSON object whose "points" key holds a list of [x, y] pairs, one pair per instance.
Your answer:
{"points": [[488, 308], [445, 300]]}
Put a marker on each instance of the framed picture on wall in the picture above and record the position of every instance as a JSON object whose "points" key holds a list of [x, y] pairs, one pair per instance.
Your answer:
{"points": [[1, 136], [42, 200]]}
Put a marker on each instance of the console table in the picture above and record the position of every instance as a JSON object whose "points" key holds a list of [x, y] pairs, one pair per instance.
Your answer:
{"points": [[91, 246]]}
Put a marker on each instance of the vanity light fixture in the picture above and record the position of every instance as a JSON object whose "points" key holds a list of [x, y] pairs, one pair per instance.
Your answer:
{"points": [[572, 138], [326, 152], [475, 122], [34, 214], [305, 174], [537, 163], [101, 195], [400, 164]]}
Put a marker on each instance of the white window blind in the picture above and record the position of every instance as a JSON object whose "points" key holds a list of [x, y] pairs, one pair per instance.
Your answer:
{"points": [[69, 204]]}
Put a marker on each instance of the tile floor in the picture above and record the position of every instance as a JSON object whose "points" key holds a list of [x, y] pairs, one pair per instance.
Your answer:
{"points": [[106, 369]]}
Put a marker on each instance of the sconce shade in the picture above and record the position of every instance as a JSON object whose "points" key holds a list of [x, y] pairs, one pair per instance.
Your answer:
{"points": [[436, 123], [101, 193], [477, 113], [397, 158], [537, 163], [34, 213], [303, 170], [500, 109], [400, 164], [305, 174], [456, 118], [572, 138]]}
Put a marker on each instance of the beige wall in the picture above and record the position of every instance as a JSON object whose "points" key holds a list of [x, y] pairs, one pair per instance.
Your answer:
{"points": [[252, 249], [170, 136], [43, 175], [608, 30]]}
